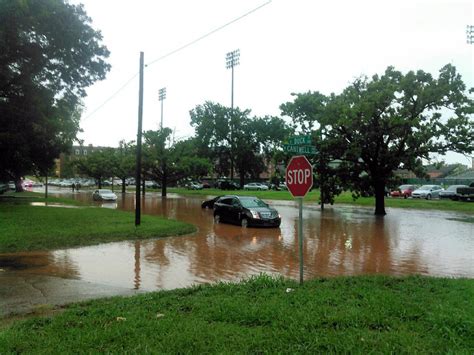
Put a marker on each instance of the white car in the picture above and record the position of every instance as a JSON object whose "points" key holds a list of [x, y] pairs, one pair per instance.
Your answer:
{"points": [[104, 195], [427, 191], [255, 186]]}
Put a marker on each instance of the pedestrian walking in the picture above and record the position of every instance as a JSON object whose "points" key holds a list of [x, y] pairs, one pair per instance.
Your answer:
{"points": [[73, 186]]}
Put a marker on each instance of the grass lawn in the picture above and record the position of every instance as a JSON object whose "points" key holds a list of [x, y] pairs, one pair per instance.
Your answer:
{"points": [[344, 198], [26, 227], [369, 314]]}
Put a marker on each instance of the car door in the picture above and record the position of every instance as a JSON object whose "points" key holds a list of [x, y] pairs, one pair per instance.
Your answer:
{"points": [[235, 211], [223, 209]]}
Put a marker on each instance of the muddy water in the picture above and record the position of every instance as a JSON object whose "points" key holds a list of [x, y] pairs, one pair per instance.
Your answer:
{"points": [[342, 240]]}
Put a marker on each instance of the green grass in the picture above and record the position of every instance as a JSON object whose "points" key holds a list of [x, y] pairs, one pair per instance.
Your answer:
{"points": [[25, 227], [344, 198], [336, 315], [29, 196]]}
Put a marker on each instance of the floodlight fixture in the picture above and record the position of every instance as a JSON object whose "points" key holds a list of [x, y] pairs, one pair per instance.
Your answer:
{"points": [[470, 34]]}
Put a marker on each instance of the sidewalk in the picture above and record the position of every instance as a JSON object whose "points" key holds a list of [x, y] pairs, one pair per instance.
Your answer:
{"points": [[23, 293]]}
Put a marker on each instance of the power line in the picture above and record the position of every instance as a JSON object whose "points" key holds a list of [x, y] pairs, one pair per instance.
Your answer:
{"points": [[208, 34], [112, 96], [174, 52]]}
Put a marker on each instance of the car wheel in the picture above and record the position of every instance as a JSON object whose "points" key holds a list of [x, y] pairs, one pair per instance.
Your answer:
{"points": [[405, 196], [244, 222], [217, 219], [428, 197]]}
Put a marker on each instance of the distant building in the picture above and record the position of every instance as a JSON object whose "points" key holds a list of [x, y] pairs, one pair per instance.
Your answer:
{"points": [[77, 151]]}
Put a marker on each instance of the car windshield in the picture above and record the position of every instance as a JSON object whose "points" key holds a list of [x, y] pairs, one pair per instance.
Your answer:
{"points": [[426, 187], [252, 202], [453, 187], [105, 191], [404, 187]]}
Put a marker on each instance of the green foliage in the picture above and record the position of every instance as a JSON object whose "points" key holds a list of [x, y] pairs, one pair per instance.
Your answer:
{"points": [[230, 138], [265, 315], [392, 121], [99, 164], [170, 163], [49, 54]]}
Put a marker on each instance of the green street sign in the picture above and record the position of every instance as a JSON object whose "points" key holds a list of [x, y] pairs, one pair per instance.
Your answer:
{"points": [[299, 140], [300, 149]]}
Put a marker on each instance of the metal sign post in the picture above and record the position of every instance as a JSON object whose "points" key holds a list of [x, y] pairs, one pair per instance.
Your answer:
{"points": [[299, 179], [300, 236]]}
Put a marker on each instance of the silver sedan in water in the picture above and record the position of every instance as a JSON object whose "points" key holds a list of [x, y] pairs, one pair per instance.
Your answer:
{"points": [[104, 195]]}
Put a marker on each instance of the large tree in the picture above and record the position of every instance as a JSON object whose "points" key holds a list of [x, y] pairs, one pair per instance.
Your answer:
{"points": [[307, 111], [225, 135], [396, 120], [49, 54], [100, 164], [169, 163]]}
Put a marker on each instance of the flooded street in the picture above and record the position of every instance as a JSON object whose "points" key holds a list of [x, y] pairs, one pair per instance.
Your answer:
{"points": [[342, 240]]}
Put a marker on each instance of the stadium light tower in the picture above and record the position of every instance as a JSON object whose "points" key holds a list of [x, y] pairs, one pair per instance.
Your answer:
{"points": [[161, 97], [470, 34], [232, 60]]}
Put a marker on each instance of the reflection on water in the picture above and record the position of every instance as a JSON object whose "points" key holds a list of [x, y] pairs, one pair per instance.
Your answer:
{"points": [[343, 240]]}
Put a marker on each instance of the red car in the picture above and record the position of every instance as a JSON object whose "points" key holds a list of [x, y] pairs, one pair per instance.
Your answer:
{"points": [[403, 191]]}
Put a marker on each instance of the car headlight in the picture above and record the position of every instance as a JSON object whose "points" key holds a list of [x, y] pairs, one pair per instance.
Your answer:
{"points": [[255, 214]]}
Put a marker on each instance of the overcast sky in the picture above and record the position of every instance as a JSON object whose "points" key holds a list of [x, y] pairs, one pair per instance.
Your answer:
{"points": [[285, 46]]}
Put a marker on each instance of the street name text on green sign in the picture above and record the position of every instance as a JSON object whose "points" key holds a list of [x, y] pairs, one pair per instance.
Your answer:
{"points": [[299, 140], [299, 149]]}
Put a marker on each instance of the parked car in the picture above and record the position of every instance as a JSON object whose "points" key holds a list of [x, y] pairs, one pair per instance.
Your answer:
{"points": [[466, 193], [427, 191], [451, 192], [194, 186], [245, 211], [227, 185], [3, 187], [255, 186], [104, 195], [210, 203], [403, 191], [152, 185]]}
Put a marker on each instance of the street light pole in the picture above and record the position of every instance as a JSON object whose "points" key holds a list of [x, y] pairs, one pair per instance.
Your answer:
{"points": [[161, 97], [232, 60]]}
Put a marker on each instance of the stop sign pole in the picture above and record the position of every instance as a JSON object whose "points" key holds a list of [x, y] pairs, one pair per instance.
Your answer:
{"points": [[299, 180]]}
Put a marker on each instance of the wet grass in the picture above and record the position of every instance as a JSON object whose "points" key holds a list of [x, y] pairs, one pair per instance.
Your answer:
{"points": [[30, 196], [344, 198], [24, 227], [264, 315]]}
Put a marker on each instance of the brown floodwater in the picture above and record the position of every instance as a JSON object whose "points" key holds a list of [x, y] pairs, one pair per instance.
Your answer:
{"points": [[341, 240]]}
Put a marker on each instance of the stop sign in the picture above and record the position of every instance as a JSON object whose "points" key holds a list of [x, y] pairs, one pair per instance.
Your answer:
{"points": [[299, 176]]}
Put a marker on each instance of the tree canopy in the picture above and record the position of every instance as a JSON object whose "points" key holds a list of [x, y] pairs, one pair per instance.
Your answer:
{"points": [[225, 134], [392, 121], [49, 55]]}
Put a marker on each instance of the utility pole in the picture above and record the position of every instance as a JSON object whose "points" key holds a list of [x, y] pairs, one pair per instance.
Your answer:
{"points": [[138, 171], [232, 60], [161, 97]]}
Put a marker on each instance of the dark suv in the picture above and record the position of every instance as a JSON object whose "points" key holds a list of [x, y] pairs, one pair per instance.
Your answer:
{"points": [[245, 211]]}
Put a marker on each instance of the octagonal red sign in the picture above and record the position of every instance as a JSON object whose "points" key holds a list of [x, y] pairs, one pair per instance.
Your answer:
{"points": [[299, 176]]}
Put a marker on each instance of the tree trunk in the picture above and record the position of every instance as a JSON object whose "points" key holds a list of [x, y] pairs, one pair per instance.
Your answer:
{"points": [[380, 198], [163, 185], [18, 185], [123, 185], [241, 179]]}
